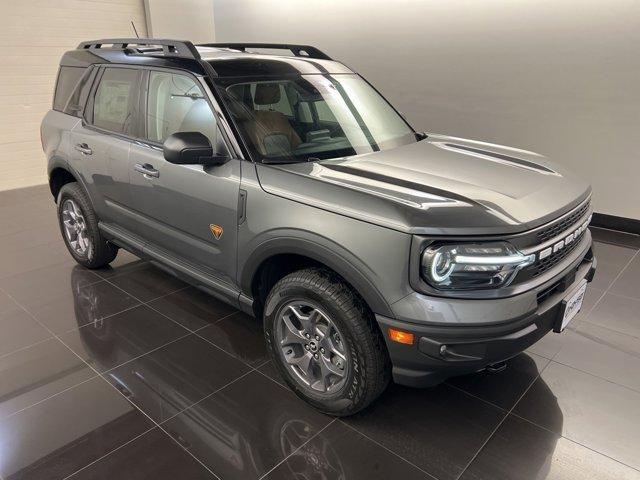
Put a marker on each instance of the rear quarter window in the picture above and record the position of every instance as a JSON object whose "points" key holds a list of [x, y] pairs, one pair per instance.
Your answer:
{"points": [[69, 81]]}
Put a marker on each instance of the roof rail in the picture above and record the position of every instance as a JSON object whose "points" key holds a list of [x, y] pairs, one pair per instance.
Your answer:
{"points": [[170, 48], [298, 50]]}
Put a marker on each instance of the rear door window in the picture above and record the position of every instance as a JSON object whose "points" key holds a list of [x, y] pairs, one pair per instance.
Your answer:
{"points": [[116, 100]]}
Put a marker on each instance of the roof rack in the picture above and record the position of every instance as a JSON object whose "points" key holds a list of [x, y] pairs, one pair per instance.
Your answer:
{"points": [[170, 48], [298, 50]]}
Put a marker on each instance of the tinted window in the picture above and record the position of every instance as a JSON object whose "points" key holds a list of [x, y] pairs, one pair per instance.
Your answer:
{"points": [[115, 100], [310, 117], [68, 79], [324, 112], [176, 103], [279, 98]]}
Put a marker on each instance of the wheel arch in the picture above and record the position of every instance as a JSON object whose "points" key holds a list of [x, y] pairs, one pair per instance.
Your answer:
{"points": [[61, 173], [289, 254]]}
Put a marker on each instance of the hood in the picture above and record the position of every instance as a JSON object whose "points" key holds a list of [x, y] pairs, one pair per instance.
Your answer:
{"points": [[441, 185]]}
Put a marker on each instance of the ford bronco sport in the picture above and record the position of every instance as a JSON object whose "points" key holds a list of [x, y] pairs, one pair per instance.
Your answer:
{"points": [[287, 186]]}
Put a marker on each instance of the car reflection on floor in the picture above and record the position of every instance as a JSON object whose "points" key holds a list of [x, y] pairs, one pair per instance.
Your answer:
{"points": [[235, 442], [218, 431]]}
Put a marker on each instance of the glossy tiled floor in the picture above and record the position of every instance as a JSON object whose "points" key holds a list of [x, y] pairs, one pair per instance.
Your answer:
{"points": [[129, 373]]}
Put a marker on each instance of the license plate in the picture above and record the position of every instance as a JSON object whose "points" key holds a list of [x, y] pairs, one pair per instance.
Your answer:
{"points": [[572, 305]]}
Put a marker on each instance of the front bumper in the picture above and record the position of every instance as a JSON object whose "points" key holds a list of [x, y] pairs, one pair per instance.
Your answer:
{"points": [[445, 350]]}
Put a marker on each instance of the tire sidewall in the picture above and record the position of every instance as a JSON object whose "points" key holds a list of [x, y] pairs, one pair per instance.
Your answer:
{"points": [[349, 396]]}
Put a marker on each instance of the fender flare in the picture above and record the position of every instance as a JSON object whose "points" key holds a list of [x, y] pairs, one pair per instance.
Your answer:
{"points": [[58, 162], [322, 250]]}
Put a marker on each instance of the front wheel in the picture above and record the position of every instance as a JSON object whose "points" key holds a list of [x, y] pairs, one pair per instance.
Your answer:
{"points": [[325, 343]]}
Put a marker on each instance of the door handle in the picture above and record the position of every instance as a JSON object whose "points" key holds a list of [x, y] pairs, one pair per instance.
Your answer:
{"points": [[83, 148], [147, 170]]}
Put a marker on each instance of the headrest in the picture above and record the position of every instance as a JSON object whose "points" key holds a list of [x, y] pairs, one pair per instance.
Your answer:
{"points": [[267, 93]]}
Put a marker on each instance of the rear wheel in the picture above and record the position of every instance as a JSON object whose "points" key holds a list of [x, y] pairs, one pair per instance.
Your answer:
{"points": [[325, 343], [79, 227]]}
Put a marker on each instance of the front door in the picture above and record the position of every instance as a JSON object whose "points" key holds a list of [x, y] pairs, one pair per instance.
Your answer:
{"points": [[188, 210]]}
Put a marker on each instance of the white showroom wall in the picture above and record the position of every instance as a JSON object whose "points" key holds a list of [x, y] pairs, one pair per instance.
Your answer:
{"points": [[557, 77], [33, 36], [183, 19]]}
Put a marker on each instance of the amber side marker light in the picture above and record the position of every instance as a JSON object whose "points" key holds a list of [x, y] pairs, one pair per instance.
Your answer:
{"points": [[399, 336]]}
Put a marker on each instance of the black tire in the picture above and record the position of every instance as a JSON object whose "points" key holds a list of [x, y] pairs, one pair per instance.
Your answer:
{"points": [[369, 371], [99, 253]]}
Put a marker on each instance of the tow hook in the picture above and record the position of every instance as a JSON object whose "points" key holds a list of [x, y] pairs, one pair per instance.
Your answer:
{"points": [[496, 367]]}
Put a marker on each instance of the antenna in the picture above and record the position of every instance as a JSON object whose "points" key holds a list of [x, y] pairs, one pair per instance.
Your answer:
{"points": [[134, 29]]}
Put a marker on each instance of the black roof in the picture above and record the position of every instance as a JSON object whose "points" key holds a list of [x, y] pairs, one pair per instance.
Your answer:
{"points": [[214, 59]]}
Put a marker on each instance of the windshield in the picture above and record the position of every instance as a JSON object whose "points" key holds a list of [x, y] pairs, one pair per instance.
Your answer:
{"points": [[310, 117]]}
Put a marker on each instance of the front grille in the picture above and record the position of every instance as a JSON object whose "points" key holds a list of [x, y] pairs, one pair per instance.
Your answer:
{"points": [[552, 260], [557, 228]]}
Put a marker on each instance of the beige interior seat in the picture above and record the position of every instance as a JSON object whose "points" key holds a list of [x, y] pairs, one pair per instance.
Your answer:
{"points": [[270, 131]]}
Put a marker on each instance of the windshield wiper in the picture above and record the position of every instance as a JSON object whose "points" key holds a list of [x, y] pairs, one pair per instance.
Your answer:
{"points": [[278, 161]]}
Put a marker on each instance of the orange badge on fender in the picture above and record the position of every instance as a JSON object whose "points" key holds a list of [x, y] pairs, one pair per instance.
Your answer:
{"points": [[216, 230]]}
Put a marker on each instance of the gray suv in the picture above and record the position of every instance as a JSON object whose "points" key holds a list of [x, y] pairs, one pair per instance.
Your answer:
{"points": [[287, 186]]}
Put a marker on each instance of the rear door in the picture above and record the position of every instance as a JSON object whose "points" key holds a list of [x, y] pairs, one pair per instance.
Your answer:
{"points": [[180, 205], [102, 140]]}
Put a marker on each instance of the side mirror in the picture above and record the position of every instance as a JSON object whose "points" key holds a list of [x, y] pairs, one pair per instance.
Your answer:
{"points": [[191, 148]]}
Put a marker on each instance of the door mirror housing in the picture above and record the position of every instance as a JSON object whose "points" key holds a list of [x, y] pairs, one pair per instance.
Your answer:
{"points": [[191, 148]]}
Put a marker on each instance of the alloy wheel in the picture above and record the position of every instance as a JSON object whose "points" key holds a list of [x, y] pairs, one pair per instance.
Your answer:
{"points": [[312, 346], [75, 227]]}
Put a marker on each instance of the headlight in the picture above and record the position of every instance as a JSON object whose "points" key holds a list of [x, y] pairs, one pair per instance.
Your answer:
{"points": [[469, 266]]}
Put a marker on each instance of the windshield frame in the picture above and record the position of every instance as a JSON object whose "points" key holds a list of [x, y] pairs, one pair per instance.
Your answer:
{"points": [[221, 84]]}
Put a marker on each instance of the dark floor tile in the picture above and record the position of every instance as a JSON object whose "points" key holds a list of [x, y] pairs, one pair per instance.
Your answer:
{"points": [[33, 374], [621, 314], [628, 284], [82, 306], [147, 283], [611, 260], [240, 335], [38, 194], [591, 298], [46, 228], [244, 430], [14, 263], [108, 343], [520, 450], [68, 431], [503, 388], [270, 371], [174, 377], [41, 286], [192, 308], [549, 345], [32, 214], [125, 262], [603, 352], [19, 330], [438, 429], [596, 413], [153, 455], [6, 303], [339, 452], [615, 237], [25, 239]]}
